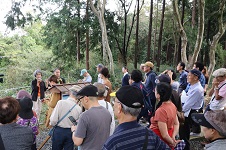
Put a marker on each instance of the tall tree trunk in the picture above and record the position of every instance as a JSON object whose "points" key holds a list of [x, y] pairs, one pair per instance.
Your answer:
{"points": [[156, 29], [99, 12], [87, 36], [78, 35], [150, 31], [206, 56], [180, 41], [181, 32], [198, 44], [193, 14], [137, 33], [216, 38], [160, 36]]}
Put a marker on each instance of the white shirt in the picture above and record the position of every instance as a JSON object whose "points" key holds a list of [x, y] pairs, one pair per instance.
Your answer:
{"points": [[62, 107], [99, 80], [110, 109]]}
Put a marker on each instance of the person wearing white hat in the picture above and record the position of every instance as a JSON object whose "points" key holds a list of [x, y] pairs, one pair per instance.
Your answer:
{"points": [[218, 90]]}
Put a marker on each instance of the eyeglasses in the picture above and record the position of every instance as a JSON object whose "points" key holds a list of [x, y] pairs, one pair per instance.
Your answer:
{"points": [[81, 97]]}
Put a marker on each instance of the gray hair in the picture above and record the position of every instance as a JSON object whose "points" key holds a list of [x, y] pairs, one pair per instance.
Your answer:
{"points": [[131, 111], [101, 89], [36, 72]]}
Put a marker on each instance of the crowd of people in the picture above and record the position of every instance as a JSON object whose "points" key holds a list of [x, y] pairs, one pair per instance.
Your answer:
{"points": [[154, 112]]}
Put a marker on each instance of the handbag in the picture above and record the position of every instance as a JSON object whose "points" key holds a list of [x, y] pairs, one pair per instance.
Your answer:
{"points": [[51, 131], [180, 115]]}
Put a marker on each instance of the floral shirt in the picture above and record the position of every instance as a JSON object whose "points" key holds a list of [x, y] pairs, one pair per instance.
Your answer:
{"points": [[32, 123]]}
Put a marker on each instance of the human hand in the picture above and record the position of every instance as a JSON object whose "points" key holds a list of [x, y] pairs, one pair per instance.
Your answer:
{"points": [[215, 82], [73, 128]]}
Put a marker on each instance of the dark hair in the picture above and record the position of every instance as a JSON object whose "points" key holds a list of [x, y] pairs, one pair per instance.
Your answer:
{"points": [[174, 76], [136, 75], [165, 91], [9, 109], [199, 65], [182, 64], [105, 72], [125, 68], [55, 79]]}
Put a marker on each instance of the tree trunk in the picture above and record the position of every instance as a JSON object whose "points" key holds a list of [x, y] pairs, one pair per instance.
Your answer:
{"points": [[193, 14], [201, 6], [160, 36], [206, 56], [137, 33], [156, 29], [87, 36], [150, 31], [181, 32], [216, 38], [78, 35], [99, 12]]}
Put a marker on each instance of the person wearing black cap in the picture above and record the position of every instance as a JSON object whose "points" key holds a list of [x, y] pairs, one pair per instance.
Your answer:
{"points": [[191, 103], [214, 128], [14, 136], [129, 134], [27, 117], [93, 127]]}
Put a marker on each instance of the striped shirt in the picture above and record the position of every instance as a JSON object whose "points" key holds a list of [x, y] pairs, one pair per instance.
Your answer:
{"points": [[131, 135]]}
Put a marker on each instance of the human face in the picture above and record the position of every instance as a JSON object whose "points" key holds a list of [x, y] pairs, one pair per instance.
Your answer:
{"points": [[208, 133], [38, 75], [117, 107], [146, 69], [84, 101], [98, 69], [179, 67], [57, 73], [191, 78], [220, 78], [194, 67]]}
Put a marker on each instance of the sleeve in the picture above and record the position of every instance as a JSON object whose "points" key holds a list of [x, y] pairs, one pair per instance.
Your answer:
{"points": [[110, 109], [161, 115], [82, 127], [222, 91], [34, 86], [55, 115]]}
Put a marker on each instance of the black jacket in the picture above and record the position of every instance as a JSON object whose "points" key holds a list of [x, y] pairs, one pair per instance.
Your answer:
{"points": [[34, 92]]}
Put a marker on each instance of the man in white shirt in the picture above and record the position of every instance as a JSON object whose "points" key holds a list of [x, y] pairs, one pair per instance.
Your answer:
{"points": [[102, 93], [99, 68], [61, 138]]}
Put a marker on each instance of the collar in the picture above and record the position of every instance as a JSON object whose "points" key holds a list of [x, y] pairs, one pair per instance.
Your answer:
{"points": [[126, 126], [194, 85], [221, 83], [71, 99], [149, 72], [125, 74]]}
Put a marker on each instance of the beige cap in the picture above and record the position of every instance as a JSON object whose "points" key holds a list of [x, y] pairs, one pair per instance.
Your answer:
{"points": [[149, 64], [219, 72]]}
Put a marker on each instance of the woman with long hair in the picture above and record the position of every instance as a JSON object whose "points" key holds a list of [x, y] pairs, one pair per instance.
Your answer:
{"points": [[104, 74], [164, 121]]}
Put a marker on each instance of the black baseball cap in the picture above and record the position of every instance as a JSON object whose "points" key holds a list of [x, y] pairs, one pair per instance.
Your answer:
{"points": [[89, 90], [130, 96], [196, 72]]}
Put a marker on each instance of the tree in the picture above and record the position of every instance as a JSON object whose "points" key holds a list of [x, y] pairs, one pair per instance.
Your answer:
{"points": [[182, 32], [150, 31], [217, 36], [137, 33], [201, 6], [99, 12], [160, 35]]}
